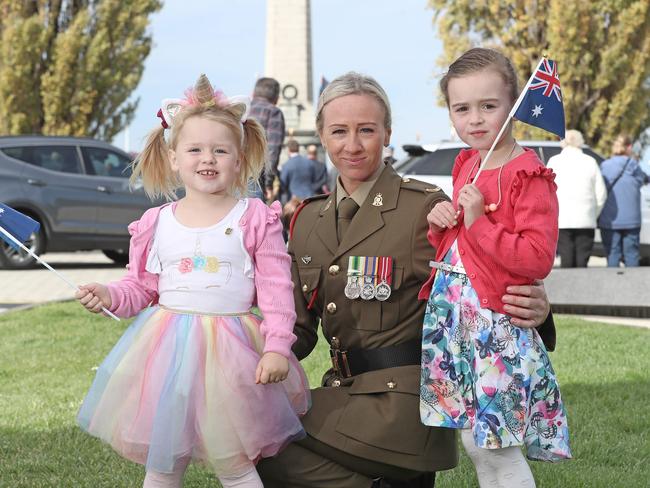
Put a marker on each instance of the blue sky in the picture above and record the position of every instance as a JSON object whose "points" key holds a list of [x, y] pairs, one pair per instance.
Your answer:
{"points": [[393, 41]]}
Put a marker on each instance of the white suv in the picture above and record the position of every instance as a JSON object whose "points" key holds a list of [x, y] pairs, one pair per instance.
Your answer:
{"points": [[433, 163]]}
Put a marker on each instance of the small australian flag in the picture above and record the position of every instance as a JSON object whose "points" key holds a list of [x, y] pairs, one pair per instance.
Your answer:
{"points": [[541, 105], [18, 225]]}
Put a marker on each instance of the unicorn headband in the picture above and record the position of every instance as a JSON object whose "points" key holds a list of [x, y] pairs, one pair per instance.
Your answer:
{"points": [[202, 94]]}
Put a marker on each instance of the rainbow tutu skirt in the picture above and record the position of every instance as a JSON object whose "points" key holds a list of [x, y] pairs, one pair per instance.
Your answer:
{"points": [[179, 385]]}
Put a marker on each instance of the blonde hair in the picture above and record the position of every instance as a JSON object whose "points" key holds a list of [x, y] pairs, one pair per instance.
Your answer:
{"points": [[353, 84], [153, 164], [478, 59], [621, 143], [573, 138]]}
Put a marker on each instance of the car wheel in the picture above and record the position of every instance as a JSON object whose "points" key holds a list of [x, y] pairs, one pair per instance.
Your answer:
{"points": [[117, 255], [11, 258]]}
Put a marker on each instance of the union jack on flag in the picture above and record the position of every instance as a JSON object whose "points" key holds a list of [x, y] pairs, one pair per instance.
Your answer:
{"points": [[541, 104]]}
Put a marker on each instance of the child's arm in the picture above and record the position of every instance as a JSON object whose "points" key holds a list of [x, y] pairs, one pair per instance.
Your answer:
{"points": [[273, 280], [530, 247], [441, 217], [138, 288], [93, 297]]}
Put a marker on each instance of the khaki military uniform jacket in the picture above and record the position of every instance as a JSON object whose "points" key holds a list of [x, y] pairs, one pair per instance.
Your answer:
{"points": [[374, 415]]}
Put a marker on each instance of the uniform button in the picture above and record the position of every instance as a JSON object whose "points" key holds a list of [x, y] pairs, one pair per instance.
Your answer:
{"points": [[334, 269], [336, 383], [305, 288], [462, 251], [472, 275], [391, 385], [331, 307], [406, 180], [484, 301]]}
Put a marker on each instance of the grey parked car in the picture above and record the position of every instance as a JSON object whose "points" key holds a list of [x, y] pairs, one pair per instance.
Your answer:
{"points": [[77, 188]]}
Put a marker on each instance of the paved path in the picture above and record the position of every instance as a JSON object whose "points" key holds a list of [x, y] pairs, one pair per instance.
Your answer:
{"points": [[41, 285], [24, 288]]}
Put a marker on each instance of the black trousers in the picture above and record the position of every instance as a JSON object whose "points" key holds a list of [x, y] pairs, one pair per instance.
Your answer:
{"points": [[574, 247]]}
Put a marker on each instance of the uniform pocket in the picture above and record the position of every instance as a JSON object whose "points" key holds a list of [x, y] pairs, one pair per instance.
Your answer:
{"points": [[309, 279], [389, 400], [375, 314]]}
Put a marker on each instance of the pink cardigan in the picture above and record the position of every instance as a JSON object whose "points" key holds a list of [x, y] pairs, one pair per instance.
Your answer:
{"points": [[514, 245], [262, 239]]}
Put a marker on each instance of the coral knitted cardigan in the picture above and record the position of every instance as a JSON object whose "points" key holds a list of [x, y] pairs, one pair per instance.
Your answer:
{"points": [[514, 245]]}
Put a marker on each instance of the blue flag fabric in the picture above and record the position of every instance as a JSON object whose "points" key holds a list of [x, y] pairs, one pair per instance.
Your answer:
{"points": [[541, 105], [18, 225]]}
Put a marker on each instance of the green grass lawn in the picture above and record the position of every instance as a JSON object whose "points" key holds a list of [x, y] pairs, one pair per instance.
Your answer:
{"points": [[47, 356]]}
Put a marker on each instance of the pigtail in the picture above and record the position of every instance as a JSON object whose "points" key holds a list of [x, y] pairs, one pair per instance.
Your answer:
{"points": [[253, 153], [153, 168]]}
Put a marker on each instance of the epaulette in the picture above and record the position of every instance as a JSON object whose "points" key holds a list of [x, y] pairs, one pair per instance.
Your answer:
{"points": [[417, 185], [302, 205]]}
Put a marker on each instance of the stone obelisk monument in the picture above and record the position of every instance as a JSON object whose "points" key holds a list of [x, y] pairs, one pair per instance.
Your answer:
{"points": [[288, 60]]}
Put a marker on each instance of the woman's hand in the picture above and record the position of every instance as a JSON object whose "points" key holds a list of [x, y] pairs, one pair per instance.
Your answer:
{"points": [[272, 368], [442, 216], [528, 305], [94, 296], [471, 200]]}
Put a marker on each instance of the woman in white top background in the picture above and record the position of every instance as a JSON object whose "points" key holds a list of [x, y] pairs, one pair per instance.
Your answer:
{"points": [[581, 193]]}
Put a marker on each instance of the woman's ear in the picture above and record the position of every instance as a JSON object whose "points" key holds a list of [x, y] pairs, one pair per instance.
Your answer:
{"points": [[387, 137]]}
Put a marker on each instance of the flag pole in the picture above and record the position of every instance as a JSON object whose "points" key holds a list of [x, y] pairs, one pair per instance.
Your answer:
{"points": [[507, 121], [31, 253]]}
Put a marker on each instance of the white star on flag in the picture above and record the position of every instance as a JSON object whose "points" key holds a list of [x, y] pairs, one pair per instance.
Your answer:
{"points": [[537, 111]]}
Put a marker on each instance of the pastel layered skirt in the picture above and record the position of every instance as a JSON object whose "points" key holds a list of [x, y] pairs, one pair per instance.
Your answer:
{"points": [[182, 385]]}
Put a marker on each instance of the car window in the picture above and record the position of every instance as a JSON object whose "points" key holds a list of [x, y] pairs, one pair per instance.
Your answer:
{"points": [[439, 163], [55, 158], [103, 162]]}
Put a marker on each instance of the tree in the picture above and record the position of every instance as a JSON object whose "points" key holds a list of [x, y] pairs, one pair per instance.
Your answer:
{"points": [[602, 48], [68, 67]]}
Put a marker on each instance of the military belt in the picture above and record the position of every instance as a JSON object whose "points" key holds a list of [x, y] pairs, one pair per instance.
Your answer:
{"points": [[347, 363]]}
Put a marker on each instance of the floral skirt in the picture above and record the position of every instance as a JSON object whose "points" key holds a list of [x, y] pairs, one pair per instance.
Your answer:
{"points": [[481, 372], [182, 385]]}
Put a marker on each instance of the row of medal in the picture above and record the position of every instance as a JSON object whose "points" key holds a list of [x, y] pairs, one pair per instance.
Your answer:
{"points": [[369, 277]]}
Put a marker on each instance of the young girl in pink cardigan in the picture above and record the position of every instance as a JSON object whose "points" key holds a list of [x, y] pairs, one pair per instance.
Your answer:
{"points": [[481, 373], [200, 374]]}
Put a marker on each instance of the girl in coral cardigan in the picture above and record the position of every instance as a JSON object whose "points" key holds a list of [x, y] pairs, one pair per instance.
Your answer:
{"points": [[199, 374], [480, 373]]}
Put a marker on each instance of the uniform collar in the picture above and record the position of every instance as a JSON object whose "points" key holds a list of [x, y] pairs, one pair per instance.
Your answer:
{"points": [[361, 193]]}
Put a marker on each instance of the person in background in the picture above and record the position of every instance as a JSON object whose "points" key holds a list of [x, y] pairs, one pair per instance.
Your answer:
{"points": [[321, 185], [620, 220], [264, 109], [581, 193]]}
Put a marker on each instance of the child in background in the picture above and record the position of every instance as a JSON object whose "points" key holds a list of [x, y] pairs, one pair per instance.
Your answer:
{"points": [[480, 373], [198, 374]]}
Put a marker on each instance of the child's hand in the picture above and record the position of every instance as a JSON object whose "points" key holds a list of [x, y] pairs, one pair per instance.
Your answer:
{"points": [[471, 199], [94, 296], [272, 368], [442, 216]]}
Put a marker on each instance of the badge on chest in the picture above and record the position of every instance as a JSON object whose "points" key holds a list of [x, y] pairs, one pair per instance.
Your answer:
{"points": [[369, 277]]}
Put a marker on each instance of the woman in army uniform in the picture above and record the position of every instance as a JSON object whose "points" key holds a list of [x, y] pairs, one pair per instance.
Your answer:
{"points": [[359, 258]]}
